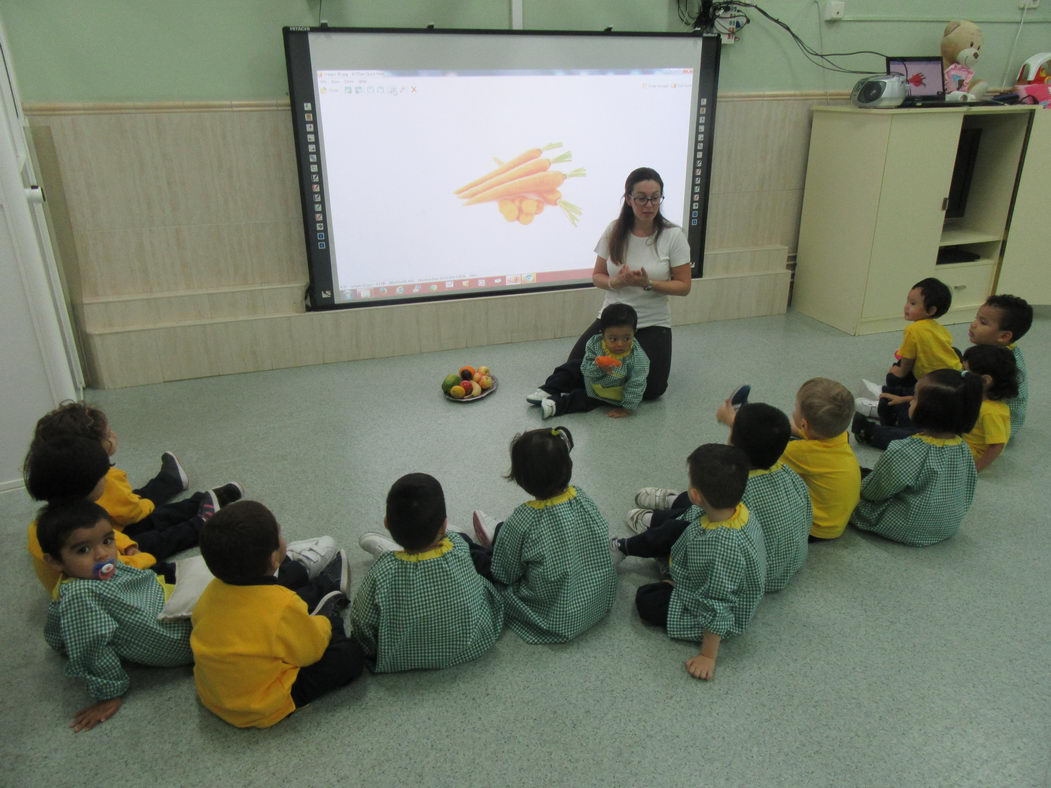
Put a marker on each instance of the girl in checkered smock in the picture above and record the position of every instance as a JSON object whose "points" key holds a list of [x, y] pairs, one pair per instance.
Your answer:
{"points": [[550, 559], [923, 485]]}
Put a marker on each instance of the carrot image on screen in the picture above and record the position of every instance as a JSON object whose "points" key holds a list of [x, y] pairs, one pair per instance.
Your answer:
{"points": [[523, 186]]}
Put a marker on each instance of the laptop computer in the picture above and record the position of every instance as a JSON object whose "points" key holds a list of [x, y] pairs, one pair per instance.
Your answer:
{"points": [[924, 79]]}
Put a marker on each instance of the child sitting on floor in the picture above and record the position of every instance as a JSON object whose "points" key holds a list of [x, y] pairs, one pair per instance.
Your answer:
{"points": [[126, 507], [923, 485], [422, 605], [161, 526], [926, 345], [823, 458], [70, 466], [718, 564], [613, 371], [1003, 320], [996, 367], [551, 562], [259, 654], [101, 610], [774, 494]]}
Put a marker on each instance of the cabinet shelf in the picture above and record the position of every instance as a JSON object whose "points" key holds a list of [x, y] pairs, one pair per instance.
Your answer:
{"points": [[958, 236], [874, 218]]}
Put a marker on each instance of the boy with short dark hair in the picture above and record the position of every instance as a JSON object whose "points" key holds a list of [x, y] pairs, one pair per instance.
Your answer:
{"points": [[422, 604], [823, 457], [718, 564], [103, 611], [612, 372], [1003, 320], [926, 345], [774, 494], [259, 654]]}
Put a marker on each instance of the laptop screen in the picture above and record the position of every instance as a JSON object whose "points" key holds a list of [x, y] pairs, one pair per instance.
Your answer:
{"points": [[923, 76]]}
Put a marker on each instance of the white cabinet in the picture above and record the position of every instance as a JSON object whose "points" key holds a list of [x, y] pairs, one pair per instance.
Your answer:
{"points": [[894, 196]]}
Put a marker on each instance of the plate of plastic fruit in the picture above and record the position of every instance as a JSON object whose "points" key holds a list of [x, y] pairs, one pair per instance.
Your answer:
{"points": [[463, 387]]}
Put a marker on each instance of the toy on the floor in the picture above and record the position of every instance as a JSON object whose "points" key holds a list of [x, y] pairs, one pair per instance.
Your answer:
{"points": [[469, 384], [961, 46]]}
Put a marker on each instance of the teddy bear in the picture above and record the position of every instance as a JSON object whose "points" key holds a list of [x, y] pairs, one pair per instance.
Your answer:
{"points": [[961, 47]]}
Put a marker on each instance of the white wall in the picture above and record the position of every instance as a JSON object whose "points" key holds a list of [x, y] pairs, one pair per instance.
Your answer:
{"points": [[35, 372]]}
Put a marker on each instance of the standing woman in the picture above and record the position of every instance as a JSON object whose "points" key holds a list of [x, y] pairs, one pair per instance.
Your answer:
{"points": [[642, 259]]}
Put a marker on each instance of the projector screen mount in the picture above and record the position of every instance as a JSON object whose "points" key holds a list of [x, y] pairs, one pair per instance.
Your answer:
{"points": [[437, 164]]}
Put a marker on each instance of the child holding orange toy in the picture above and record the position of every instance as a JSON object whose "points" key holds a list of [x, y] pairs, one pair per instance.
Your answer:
{"points": [[613, 371]]}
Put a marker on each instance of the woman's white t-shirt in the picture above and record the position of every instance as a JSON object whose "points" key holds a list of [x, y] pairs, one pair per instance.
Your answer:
{"points": [[670, 251]]}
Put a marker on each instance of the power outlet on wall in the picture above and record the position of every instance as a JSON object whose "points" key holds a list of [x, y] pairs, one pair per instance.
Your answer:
{"points": [[1030, 4], [833, 10]]}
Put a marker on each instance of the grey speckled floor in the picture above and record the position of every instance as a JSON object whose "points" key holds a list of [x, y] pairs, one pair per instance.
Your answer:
{"points": [[879, 665]]}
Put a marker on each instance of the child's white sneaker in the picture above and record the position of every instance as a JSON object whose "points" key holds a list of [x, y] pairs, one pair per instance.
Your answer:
{"points": [[377, 544], [547, 408], [655, 498], [868, 389], [869, 408], [484, 527], [638, 520], [314, 554], [537, 397]]}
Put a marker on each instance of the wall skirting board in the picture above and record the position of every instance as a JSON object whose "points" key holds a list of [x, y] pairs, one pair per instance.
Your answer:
{"points": [[180, 239]]}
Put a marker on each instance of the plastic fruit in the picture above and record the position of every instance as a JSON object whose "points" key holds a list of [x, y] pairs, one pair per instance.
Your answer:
{"points": [[483, 370], [449, 382], [466, 373], [457, 392], [476, 389], [486, 382], [477, 377]]}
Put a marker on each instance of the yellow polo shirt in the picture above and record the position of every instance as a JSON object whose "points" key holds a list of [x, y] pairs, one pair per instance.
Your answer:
{"points": [[993, 427], [833, 477], [930, 344], [249, 642]]}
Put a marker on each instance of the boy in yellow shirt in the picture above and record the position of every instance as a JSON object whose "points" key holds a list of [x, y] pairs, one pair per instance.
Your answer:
{"points": [[823, 457], [260, 652]]}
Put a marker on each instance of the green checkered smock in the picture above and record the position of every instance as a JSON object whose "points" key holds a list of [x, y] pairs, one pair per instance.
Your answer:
{"points": [[1017, 404], [622, 386], [97, 623], [778, 498], [719, 570], [553, 555], [426, 610], [919, 491]]}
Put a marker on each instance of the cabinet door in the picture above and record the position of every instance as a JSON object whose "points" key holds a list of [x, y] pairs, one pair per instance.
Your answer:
{"points": [[921, 152], [1025, 269]]}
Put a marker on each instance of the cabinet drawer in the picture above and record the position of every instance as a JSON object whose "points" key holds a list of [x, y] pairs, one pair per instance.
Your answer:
{"points": [[970, 283]]}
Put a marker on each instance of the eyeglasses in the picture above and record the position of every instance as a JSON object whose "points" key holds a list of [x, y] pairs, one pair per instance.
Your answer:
{"points": [[640, 200]]}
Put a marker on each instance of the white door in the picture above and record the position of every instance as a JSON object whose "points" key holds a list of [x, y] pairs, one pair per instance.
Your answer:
{"points": [[38, 362]]}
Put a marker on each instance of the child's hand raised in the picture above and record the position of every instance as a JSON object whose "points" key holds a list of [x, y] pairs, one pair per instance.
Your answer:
{"points": [[88, 718]]}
